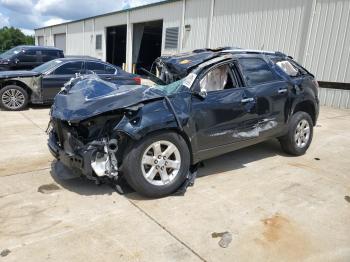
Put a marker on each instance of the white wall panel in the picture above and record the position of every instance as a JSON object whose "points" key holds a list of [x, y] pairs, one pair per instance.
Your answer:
{"points": [[334, 98], [75, 36], [197, 16], [328, 46], [89, 40], [256, 24], [58, 29]]}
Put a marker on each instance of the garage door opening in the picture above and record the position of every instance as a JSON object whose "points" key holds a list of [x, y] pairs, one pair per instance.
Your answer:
{"points": [[60, 41], [147, 44], [116, 45]]}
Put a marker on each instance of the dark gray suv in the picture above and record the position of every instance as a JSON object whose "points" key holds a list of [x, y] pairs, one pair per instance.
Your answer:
{"points": [[28, 57]]}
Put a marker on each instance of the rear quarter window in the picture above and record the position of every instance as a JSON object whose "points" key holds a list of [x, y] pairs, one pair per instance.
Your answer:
{"points": [[256, 71], [48, 55]]}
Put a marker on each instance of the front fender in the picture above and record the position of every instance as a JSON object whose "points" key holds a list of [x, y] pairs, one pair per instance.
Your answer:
{"points": [[150, 117]]}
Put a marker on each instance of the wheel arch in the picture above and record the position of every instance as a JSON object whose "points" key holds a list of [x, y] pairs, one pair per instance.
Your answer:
{"points": [[131, 139], [306, 106], [16, 83]]}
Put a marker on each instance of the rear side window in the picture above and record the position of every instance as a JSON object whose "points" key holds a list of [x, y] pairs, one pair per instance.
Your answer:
{"points": [[27, 56], [69, 68], [256, 71], [289, 66], [99, 68], [48, 55]]}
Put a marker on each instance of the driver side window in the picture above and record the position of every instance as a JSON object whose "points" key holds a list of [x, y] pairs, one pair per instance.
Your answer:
{"points": [[219, 78]]}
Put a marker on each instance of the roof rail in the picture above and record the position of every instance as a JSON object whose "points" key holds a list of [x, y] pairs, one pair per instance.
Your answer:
{"points": [[252, 51]]}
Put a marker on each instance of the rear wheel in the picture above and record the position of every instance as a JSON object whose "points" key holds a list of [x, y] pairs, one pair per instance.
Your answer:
{"points": [[13, 98], [299, 136], [157, 165]]}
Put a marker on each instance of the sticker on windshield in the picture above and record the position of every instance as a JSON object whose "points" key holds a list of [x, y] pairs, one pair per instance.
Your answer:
{"points": [[189, 80]]}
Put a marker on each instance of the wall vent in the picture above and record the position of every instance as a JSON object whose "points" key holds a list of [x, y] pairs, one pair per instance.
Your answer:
{"points": [[171, 37], [98, 42]]}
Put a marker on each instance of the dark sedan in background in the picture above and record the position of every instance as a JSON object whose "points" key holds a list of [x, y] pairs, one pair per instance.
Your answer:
{"points": [[41, 84]]}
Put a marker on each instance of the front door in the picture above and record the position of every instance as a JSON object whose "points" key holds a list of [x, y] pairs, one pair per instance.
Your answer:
{"points": [[54, 81], [228, 110]]}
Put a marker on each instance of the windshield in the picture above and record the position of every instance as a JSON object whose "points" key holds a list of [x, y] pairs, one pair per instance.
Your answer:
{"points": [[172, 88], [47, 66], [11, 52]]}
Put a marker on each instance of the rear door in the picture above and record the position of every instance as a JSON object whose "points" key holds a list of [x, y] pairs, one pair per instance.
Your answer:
{"points": [[27, 59], [271, 92], [54, 81], [226, 112]]}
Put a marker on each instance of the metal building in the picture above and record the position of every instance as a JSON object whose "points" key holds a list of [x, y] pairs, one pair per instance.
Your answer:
{"points": [[315, 32]]}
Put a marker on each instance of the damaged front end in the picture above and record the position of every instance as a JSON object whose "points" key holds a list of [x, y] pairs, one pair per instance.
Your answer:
{"points": [[88, 147], [92, 122]]}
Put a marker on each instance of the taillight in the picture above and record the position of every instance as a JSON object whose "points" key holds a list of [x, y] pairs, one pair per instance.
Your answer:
{"points": [[137, 80]]}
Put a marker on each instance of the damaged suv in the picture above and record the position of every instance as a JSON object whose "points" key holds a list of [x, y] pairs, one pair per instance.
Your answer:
{"points": [[209, 102]]}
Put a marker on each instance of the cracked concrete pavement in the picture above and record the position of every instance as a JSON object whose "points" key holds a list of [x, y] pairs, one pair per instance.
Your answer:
{"points": [[276, 207]]}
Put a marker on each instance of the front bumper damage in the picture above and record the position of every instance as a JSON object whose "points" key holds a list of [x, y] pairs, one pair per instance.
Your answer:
{"points": [[95, 159]]}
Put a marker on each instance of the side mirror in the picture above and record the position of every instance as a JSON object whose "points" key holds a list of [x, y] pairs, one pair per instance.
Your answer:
{"points": [[203, 93]]}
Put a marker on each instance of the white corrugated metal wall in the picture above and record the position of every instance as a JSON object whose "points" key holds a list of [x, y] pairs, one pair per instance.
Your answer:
{"points": [[328, 43], [256, 24], [197, 17], [315, 32]]}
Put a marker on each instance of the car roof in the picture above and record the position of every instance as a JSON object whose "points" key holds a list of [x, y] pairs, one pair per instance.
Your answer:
{"points": [[39, 47], [83, 58]]}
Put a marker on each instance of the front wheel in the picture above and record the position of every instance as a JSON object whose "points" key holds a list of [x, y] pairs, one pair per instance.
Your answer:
{"points": [[13, 98], [158, 164], [299, 136]]}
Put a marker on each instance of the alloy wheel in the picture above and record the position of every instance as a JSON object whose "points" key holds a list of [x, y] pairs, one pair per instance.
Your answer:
{"points": [[302, 133], [161, 163], [13, 98]]}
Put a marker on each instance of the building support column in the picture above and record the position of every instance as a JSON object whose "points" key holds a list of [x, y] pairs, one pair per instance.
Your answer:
{"points": [[129, 32], [210, 22], [182, 28], [83, 37], [52, 40], [306, 34]]}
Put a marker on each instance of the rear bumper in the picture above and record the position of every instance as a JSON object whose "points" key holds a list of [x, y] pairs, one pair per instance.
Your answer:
{"points": [[79, 162]]}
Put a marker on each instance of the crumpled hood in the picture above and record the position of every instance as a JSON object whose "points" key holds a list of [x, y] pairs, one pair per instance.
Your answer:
{"points": [[14, 74], [93, 96]]}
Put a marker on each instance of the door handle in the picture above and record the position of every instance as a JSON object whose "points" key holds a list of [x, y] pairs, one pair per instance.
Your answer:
{"points": [[247, 100], [282, 90]]}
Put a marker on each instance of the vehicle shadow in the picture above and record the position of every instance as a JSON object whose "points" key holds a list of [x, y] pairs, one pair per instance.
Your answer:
{"points": [[73, 182], [236, 160], [30, 106], [231, 161]]}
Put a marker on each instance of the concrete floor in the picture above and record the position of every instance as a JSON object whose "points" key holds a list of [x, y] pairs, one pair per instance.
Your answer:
{"points": [[277, 208]]}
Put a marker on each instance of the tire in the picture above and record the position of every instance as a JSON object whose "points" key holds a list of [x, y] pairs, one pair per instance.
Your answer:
{"points": [[13, 98], [296, 142], [139, 163]]}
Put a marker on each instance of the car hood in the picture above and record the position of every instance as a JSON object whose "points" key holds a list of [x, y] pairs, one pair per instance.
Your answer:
{"points": [[14, 74], [92, 96]]}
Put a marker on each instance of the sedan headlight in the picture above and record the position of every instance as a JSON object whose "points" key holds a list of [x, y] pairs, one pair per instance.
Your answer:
{"points": [[4, 62]]}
